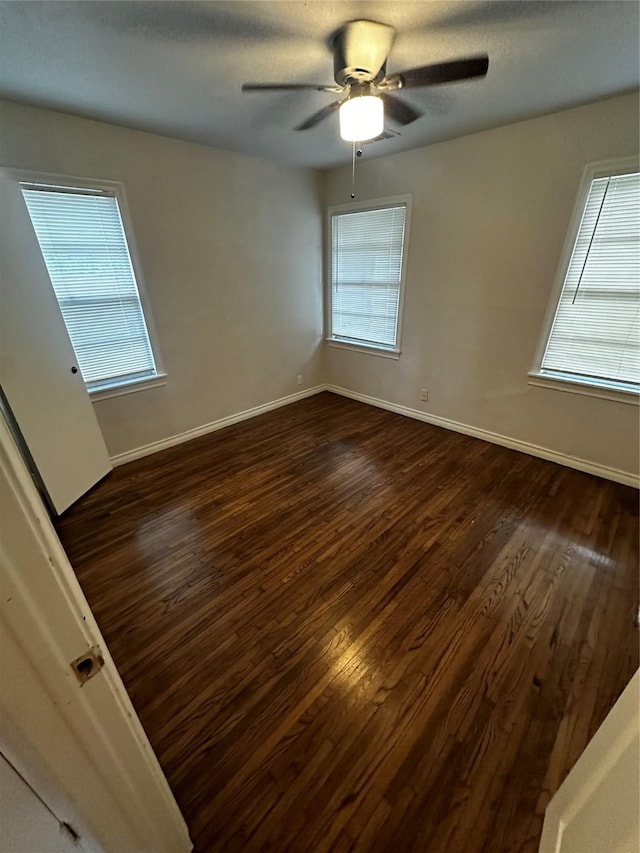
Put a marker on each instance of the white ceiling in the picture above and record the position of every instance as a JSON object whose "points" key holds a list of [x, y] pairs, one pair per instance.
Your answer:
{"points": [[176, 68]]}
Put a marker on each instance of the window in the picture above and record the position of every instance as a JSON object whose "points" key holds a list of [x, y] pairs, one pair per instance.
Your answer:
{"points": [[368, 249], [594, 338], [83, 243]]}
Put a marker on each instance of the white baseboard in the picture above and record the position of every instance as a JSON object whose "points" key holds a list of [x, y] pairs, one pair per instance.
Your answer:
{"points": [[163, 444], [608, 473]]}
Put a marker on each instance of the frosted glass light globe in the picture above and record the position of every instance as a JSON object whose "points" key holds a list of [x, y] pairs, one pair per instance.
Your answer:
{"points": [[361, 118]]}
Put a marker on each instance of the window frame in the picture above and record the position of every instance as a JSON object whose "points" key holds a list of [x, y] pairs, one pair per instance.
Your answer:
{"points": [[576, 384], [115, 388], [360, 207]]}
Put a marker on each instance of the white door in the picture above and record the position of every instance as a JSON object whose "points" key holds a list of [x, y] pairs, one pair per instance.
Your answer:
{"points": [[47, 398], [597, 807], [80, 745], [26, 823]]}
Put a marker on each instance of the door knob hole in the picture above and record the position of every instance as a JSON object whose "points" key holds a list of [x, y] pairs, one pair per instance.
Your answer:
{"points": [[84, 667], [88, 664]]}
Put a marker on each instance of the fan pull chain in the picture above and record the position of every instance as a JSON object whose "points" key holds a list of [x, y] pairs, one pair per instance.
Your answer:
{"points": [[355, 152], [353, 170]]}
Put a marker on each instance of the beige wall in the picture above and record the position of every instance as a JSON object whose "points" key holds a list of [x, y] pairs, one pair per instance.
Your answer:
{"points": [[490, 215], [230, 249]]}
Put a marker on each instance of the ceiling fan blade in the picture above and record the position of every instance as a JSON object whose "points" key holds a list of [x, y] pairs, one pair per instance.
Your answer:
{"points": [[287, 87], [442, 72], [399, 111], [316, 118]]}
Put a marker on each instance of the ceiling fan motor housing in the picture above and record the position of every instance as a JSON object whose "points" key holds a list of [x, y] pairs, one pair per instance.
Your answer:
{"points": [[360, 51]]}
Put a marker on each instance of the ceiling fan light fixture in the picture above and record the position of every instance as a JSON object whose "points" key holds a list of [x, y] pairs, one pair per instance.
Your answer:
{"points": [[365, 92], [361, 118]]}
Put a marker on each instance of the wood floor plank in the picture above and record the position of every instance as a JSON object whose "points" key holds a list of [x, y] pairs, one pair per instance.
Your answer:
{"points": [[346, 630]]}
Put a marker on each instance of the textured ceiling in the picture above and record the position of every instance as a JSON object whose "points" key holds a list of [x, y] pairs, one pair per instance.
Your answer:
{"points": [[176, 68]]}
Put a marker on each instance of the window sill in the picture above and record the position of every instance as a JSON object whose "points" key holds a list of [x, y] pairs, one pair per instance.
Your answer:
{"points": [[128, 387], [367, 349], [587, 389]]}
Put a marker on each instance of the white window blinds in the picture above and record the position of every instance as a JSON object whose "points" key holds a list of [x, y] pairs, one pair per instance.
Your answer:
{"points": [[596, 331], [85, 249], [366, 273]]}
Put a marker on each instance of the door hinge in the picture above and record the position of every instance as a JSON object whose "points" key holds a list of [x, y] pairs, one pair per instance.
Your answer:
{"points": [[70, 831]]}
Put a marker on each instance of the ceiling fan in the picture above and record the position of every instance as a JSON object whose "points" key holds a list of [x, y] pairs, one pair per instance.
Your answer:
{"points": [[365, 90]]}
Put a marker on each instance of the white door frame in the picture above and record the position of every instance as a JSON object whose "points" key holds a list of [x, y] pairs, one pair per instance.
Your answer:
{"points": [[597, 807], [86, 740]]}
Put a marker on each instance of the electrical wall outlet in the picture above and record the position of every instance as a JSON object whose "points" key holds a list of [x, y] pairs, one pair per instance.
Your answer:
{"points": [[424, 395], [300, 379]]}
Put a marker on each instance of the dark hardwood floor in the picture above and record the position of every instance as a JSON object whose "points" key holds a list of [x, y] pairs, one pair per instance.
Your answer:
{"points": [[348, 630]]}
